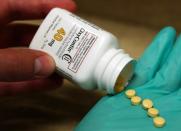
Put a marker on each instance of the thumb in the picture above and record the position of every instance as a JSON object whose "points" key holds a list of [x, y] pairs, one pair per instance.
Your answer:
{"points": [[19, 64]]}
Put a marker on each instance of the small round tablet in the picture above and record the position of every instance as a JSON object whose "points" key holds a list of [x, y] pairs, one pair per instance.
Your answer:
{"points": [[135, 100], [159, 121], [118, 88], [147, 103], [130, 93], [153, 112]]}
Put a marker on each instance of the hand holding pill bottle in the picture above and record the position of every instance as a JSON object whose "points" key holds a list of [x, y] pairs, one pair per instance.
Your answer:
{"points": [[84, 53]]}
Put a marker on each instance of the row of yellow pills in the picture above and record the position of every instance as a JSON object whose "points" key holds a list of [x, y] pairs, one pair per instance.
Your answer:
{"points": [[148, 105]]}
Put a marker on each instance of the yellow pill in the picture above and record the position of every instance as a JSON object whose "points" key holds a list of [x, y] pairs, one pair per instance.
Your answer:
{"points": [[130, 93], [153, 112], [135, 100], [118, 88], [147, 103], [159, 121]]}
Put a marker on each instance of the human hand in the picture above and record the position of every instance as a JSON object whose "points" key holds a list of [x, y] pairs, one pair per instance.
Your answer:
{"points": [[23, 69], [157, 77]]}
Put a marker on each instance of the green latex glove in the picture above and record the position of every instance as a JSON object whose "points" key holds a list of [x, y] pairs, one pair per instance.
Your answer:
{"points": [[158, 77]]}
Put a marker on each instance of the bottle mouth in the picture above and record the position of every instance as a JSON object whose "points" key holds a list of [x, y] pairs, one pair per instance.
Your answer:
{"points": [[115, 68], [121, 75], [124, 77]]}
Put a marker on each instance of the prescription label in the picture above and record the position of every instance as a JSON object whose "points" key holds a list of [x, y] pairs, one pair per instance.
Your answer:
{"points": [[69, 44]]}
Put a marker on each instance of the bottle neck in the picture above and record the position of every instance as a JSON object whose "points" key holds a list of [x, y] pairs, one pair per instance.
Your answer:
{"points": [[113, 66]]}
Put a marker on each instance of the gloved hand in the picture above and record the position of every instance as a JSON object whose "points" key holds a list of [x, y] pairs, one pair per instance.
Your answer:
{"points": [[157, 77]]}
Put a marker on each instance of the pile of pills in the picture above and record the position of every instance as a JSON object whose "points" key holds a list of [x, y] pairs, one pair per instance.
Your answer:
{"points": [[147, 104]]}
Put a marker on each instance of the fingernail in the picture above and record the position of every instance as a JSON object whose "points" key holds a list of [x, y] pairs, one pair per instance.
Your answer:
{"points": [[44, 66]]}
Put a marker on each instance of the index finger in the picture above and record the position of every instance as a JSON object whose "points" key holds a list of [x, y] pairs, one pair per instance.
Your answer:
{"points": [[33, 9]]}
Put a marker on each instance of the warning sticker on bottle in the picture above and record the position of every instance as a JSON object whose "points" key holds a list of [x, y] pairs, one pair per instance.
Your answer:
{"points": [[82, 49], [75, 47], [68, 43]]}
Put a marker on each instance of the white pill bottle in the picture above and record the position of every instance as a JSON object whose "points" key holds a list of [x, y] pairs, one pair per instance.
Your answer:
{"points": [[84, 53]]}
